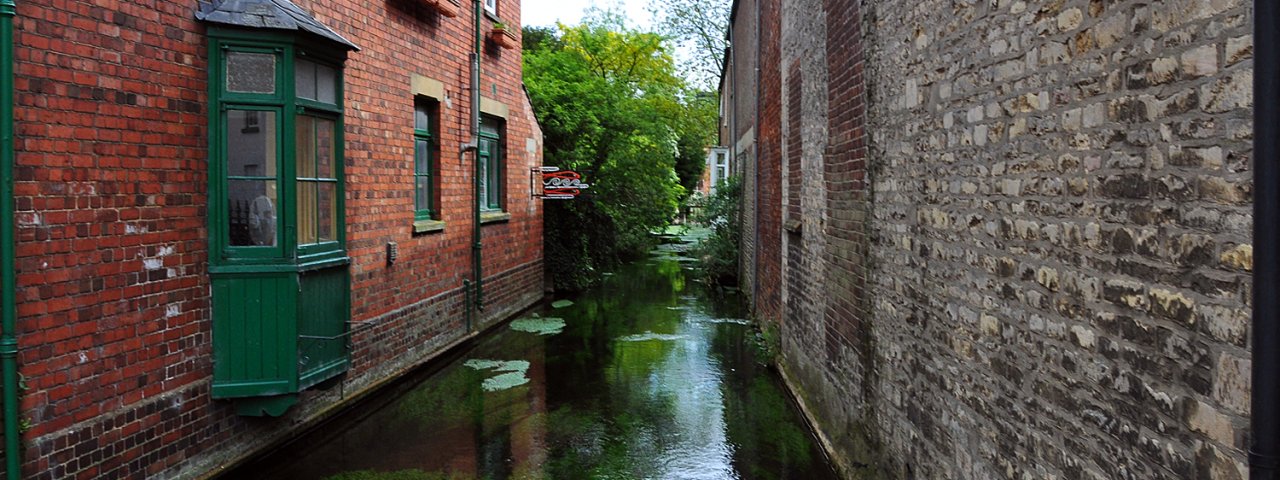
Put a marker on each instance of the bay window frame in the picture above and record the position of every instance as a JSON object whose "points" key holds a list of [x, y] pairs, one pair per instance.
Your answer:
{"points": [[288, 252]]}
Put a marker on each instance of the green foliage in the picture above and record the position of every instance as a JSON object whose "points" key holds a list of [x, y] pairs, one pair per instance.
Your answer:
{"points": [[539, 38], [718, 253], [699, 27], [612, 107]]}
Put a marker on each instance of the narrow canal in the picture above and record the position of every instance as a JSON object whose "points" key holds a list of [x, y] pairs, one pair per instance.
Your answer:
{"points": [[645, 377]]}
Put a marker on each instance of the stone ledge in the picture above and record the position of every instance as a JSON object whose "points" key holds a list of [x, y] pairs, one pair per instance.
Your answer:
{"points": [[494, 217], [428, 226]]}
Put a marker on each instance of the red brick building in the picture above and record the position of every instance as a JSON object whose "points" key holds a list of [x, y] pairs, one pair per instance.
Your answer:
{"points": [[255, 208]]}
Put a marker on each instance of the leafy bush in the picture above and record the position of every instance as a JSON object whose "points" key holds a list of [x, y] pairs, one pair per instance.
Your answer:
{"points": [[718, 253], [611, 107]]}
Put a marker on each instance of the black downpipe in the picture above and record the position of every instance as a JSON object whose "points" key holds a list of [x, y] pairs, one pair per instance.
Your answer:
{"points": [[1264, 453], [476, 246]]}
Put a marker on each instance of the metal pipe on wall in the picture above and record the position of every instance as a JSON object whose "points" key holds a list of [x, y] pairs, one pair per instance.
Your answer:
{"points": [[1264, 452], [9, 311], [477, 246]]}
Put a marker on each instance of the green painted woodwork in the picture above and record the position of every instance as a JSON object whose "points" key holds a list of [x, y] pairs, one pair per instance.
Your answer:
{"points": [[491, 168], [277, 232], [424, 160], [255, 334], [322, 325]]}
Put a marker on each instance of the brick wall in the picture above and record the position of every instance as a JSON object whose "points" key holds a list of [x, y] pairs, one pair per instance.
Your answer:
{"points": [[768, 277], [742, 145], [111, 193], [1029, 255]]}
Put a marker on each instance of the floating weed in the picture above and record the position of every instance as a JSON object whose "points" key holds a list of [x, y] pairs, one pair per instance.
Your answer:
{"points": [[504, 381], [561, 303], [648, 336], [512, 373], [540, 326]]}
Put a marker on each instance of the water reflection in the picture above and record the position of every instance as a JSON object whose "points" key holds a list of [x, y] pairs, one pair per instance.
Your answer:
{"points": [[649, 378]]}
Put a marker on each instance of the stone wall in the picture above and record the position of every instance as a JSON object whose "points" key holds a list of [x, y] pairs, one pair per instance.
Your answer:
{"points": [[1045, 271]]}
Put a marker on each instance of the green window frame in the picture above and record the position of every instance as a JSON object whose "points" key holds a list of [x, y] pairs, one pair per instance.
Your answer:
{"points": [[425, 160], [276, 153], [492, 168]]}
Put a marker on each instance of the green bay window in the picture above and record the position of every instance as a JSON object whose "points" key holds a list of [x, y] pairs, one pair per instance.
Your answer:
{"points": [[278, 259]]}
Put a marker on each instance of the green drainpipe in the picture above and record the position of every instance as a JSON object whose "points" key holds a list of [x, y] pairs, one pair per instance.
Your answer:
{"points": [[476, 246], [8, 341]]}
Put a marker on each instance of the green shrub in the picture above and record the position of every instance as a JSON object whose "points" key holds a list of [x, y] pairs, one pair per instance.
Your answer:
{"points": [[718, 253]]}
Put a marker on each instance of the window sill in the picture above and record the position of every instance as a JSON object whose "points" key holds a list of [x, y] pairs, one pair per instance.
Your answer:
{"points": [[428, 226], [794, 226], [494, 217]]}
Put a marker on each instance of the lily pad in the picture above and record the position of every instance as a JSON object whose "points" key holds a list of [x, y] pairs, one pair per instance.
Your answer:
{"points": [[511, 373], [504, 381], [561, 303], [540, 326]]}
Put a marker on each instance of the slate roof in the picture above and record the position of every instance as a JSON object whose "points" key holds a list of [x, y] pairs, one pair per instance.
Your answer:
{"points": [[276, 14]]}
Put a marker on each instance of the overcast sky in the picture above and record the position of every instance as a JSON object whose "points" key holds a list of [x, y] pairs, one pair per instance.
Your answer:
{"points": [[541, 13]]}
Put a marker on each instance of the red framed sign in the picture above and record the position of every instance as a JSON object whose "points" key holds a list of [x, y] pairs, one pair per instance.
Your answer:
{"points": [[558, 184]]}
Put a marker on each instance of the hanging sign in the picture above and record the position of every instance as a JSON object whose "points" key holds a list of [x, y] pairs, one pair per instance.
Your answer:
{"points": [[559, 184]]}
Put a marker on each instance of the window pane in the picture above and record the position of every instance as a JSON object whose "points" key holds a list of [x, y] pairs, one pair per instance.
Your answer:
{"points": [[421, 117], [252, 218], [326, 84], [306, 147], [304, 79], [328, 211], [422, 156], [307, 228], [490, 178], [491, 6], [484, 179], [489, 127], [251, 143], [422, 193], [324, 148], [494, 179], [251, 72]]}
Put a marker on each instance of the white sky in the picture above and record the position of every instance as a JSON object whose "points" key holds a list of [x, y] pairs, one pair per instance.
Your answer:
{"points": [[542, 13]]}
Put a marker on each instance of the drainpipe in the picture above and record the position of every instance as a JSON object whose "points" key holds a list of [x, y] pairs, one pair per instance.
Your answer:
{"points": [[8, 340], [755, 142], [1264, 453], [477, 271]]}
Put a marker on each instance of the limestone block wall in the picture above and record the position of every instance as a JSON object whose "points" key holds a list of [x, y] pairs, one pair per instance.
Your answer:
{"points": [[1062, 224]]}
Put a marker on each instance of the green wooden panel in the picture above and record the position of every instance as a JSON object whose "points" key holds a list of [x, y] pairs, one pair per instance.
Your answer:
{"points": [[323, 307], [254, 334]]}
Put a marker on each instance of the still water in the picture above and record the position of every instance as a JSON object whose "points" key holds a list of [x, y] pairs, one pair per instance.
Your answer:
{"points": [[644, 377]]}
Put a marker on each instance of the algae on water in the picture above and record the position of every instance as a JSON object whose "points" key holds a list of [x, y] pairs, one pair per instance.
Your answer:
{"points": [[540, 326], [511, 373], [561, 303], [647, 336]]}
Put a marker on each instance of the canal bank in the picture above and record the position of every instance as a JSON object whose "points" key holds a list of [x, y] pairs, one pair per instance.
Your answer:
{"points": [[647, 376]]}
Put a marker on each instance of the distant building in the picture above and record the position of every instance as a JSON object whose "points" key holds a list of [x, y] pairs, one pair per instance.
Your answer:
{"points": [[254, 208]]}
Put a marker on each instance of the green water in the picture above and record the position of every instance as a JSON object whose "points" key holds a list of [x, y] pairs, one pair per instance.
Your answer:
{"points": [[645, 377]]}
